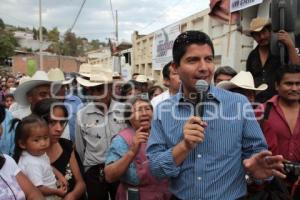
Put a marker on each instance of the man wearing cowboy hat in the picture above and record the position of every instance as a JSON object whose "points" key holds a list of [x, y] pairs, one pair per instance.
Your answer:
{"points": [[30, 92], [97, 123], [261, 63], [243, 83]]}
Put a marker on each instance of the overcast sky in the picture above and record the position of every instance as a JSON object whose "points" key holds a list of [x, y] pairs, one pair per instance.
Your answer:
{"points": [[95, 20]]}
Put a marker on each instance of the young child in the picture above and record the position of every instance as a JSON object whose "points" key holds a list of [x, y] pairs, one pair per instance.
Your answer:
{"points": [[8, 100], [31, 143]]}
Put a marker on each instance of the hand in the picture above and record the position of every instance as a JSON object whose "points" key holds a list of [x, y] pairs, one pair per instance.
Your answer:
{"points": [[139, 138], [61, 192], [263, 165], [193, 132], [285, 38], [63, 183]]}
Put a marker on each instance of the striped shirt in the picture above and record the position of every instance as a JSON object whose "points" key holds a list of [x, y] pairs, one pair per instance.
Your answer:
{"points": [[214, 169]]}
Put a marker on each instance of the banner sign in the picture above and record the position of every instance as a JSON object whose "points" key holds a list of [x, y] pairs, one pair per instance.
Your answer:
{"points": [[236, 5], [162, 46]]}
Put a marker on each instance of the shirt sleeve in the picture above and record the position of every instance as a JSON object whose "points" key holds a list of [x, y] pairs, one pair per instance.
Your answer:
{"points": [[116, 151], [12, 165], [161, 161], [79, 141], [253, 140]]}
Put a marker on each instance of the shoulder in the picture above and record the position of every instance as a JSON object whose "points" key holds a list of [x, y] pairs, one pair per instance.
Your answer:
{"points": [[227, 97], [66, 144]]}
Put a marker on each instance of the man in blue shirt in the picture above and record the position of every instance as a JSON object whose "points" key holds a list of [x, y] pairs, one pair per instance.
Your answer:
{"points": [[208, 157]]}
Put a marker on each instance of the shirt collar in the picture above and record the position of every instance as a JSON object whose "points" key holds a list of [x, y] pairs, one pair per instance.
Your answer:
{"points": [[113, 107]]}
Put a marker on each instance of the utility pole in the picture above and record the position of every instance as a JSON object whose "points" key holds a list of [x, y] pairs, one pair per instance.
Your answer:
{"points": [[41, 34], [117, 31]]}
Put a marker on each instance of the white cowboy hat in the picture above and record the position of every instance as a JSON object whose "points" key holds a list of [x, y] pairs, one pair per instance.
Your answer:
{"points": [[85, 70], [39, 78], [141, 79], [99, 77], [256, 25], [57, 75], [242, 80]]}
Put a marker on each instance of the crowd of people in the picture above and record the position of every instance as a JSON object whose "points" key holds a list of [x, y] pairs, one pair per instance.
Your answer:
{"points": [[96, 136]]}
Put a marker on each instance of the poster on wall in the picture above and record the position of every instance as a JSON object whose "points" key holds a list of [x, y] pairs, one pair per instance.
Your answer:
{"points": [[162, 46]]}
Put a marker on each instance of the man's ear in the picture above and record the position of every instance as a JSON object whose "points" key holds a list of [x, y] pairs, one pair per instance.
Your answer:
{"points": [[166, 83], [174, 67]]}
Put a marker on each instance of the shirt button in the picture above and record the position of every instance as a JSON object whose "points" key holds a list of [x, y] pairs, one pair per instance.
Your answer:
{"points": [[199, 178], [199, 156]]}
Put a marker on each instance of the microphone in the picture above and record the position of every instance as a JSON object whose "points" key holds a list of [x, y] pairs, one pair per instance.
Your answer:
{"points": [[201, 88]]}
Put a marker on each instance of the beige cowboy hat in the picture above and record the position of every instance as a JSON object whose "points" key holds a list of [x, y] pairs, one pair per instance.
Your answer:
{"points": [[39, 78], [256, 25], [141, 79], [85, 70], [242, 80], [57, 75], [98, 77]]}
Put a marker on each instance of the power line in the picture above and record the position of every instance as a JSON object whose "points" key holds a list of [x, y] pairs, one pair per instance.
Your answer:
{"points": [[77, 15], [112, 12], [164, 12]]}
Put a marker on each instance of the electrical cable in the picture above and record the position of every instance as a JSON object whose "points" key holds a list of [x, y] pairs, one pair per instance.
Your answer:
{"points": [[70, 30]]}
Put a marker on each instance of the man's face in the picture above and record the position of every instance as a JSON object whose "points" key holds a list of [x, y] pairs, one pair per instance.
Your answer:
{"points": [[263, 37], [289, 87], [38, 93], [196, 64], [222, 77], [102, 94]]}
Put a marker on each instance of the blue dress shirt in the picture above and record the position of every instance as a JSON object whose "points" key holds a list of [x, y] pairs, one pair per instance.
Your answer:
{"points": [[214, 169]]}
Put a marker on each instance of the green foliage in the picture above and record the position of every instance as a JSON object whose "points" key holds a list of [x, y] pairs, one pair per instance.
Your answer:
{"points": [[8, 44]]}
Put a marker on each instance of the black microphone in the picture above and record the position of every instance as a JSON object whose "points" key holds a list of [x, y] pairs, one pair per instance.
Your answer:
{"points": [[201, 88]]}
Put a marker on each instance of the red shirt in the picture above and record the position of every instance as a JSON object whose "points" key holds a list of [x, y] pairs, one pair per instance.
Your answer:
{"points": [[280, 139]]}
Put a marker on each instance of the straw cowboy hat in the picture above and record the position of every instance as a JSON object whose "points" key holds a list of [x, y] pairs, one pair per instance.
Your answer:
{"points": [[57, 75], [141, 79], [85, 70], [98, 77], [39, 78], [257, 24], [242, 80]]}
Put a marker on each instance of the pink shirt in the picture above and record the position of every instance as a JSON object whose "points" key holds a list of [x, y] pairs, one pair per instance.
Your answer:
{"points": [[279, 137]]}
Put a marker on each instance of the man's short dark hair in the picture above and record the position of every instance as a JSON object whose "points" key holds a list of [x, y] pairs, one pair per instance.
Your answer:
{"points": [[289, 68], [229, 71], [185, 39], [166, 71]]}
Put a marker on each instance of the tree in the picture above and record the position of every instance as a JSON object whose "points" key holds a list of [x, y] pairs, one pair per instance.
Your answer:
{"points": [[53, 36], [95, 44], [70, 44], [2, 25], [8, 44]]}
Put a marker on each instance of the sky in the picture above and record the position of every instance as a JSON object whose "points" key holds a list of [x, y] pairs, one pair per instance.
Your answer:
{"points": [[96, 18]]}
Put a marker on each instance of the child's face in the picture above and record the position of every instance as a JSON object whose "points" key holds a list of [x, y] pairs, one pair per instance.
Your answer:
{"points": [[38, 141], [8, 101]]}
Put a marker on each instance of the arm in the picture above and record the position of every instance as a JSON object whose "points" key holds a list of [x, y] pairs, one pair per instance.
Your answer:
{"points": [[114, 170], [28, 188], [79, 141], [46, 191], [63, 183], [284, 37], [79, 187]]}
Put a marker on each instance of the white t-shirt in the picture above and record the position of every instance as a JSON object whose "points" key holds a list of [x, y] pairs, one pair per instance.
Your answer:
{"points": [[9, 187], [159, 98], [37, 169]]}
